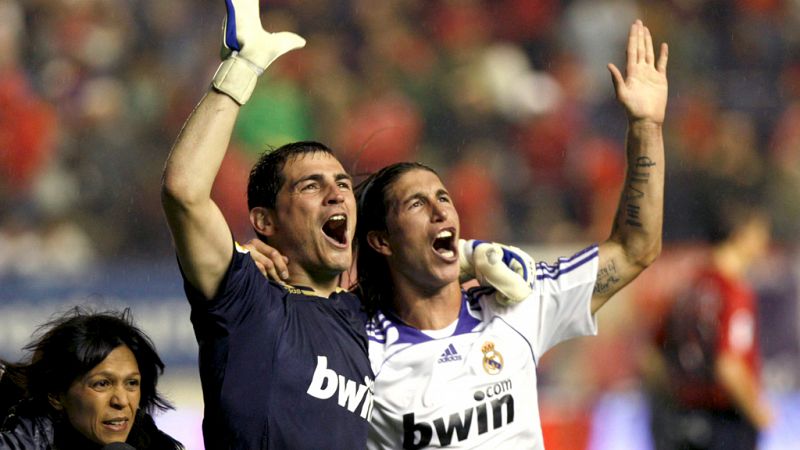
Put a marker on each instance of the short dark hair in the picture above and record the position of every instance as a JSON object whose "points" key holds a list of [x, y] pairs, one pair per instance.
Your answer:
{"points": [[266, 176], [374, 284], [70, 345], [731, 216]]}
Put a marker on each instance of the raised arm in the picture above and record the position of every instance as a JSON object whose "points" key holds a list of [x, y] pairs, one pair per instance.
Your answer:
{"points": [[635, 239], [202, 238]]}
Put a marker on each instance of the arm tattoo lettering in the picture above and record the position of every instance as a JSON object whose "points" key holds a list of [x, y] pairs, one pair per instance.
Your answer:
{"points": [[638, 174], [632, 215], [607, 278], [644, 161], [633, 194], [638, 177]]}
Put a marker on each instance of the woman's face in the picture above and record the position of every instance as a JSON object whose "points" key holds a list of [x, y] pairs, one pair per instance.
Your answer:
{"points": [[102, 403]]}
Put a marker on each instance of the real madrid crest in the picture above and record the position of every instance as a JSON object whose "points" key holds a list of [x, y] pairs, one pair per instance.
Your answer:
{"points": [[492, 359]]}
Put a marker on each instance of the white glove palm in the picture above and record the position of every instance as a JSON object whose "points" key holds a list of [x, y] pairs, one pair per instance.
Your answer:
{"points": [[508, 269], [247, 49]]}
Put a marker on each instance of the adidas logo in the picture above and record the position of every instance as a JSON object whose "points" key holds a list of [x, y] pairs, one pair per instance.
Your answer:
{"points": [[449, 354]]}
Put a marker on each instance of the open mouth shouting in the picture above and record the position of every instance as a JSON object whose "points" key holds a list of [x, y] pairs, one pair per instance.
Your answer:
{"points": [[445, 244], [335, 229]]}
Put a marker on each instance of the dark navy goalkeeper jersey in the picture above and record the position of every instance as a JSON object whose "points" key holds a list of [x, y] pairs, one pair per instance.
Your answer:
{"points": [[281, 369]]}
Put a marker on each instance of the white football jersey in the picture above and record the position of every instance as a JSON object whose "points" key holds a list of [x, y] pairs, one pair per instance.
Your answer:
{"points": [[476, 388]]}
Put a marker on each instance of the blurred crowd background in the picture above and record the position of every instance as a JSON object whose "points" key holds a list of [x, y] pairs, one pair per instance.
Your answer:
{"points": [[509, 99]]}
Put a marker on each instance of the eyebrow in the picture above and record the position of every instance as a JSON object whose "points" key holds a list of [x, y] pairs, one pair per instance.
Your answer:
{"points": [[108, 374], [420, 195], [320, 178], [343, 176]]}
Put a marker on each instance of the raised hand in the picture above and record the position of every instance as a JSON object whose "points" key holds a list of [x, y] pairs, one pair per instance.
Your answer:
{"points": [[247, 49], [243, 33], [644, 92]]}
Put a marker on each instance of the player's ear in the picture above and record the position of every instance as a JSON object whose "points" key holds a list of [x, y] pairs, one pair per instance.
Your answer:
{"points": [[377, 240], [263, 220]]}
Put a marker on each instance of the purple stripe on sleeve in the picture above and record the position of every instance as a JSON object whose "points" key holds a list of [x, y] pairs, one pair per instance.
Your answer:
{"points": [[563, 260], [588, 254], [588, 249]]}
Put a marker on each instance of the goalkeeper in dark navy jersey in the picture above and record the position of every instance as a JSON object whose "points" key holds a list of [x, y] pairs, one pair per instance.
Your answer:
{"points": [[281, 365]]}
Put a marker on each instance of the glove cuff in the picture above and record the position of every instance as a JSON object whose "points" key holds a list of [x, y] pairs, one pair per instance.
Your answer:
{"points": [[465, 261], [236, 77]]}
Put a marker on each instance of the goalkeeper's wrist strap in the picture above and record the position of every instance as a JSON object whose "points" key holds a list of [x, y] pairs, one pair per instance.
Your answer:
{"points": [[237, 77]]}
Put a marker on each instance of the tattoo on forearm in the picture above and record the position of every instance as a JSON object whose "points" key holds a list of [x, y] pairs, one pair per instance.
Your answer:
{"points": [[632, 193], [638, 174], [607, 278], [632, 212], [644, 161]]}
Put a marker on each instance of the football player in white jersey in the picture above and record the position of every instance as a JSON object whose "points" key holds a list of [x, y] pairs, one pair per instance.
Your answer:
{"points": [[455, 369]]}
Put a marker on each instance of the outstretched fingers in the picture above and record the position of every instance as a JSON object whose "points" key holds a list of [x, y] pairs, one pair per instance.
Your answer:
{"points": [[663, 56], [633, 45], [616, 76], [641, 51], [642, 88]]}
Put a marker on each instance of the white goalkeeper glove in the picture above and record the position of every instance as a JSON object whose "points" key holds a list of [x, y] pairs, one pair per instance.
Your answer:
{"points": [[507, 269], [247, 49]]}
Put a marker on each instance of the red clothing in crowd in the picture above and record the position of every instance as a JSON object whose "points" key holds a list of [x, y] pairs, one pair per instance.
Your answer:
{"points": [[718, 314]]}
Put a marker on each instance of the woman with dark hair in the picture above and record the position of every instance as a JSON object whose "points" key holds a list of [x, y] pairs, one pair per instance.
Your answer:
{"points": [[90, 381]]}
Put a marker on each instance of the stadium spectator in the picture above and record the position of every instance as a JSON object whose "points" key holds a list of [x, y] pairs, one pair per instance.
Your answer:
{"points": [[116, 80], [710, 395], [90, 380], [27, 123]]}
